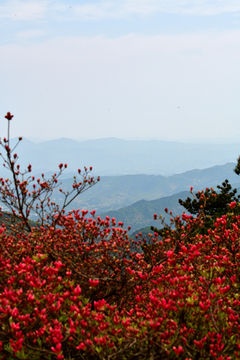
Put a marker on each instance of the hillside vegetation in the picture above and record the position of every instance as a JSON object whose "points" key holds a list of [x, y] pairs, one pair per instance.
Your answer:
{"points": [[140, 214]]}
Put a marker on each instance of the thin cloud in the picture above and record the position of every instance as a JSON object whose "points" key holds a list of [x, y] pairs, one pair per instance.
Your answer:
{"points": [[30, 34], [62, 10], [142, 79], [24, 10], [126, 8]]}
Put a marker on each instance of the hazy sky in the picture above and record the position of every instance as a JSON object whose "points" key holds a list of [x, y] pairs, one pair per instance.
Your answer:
{"points": [[133, 68]]}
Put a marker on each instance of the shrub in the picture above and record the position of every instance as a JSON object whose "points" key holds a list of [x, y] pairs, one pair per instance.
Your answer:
{"points": [[21, 199], [83, 290]]}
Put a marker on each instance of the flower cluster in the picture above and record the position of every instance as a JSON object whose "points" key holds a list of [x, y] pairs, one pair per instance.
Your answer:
{"points": [[80, 288]]}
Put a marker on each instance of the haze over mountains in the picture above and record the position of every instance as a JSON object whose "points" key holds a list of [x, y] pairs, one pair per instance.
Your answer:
{"points": [[112, 156], [115, 192], [132, 186], [133, 199]]}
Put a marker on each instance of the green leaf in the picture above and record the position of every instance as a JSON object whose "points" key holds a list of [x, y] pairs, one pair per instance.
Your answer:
{"points": [[39, 342], [39, 258], [21, 354], [98, 349]]}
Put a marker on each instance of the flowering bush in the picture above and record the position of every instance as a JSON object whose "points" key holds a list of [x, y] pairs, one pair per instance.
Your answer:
{"points": [[21, 199], [84, 290], [115, 305]]}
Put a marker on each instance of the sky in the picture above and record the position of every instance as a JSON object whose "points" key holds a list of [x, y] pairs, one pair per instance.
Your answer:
{"points": [[166, 69]]}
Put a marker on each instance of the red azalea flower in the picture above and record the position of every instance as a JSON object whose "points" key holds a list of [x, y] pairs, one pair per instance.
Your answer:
{"points": [[9, 116], [232, 205]]}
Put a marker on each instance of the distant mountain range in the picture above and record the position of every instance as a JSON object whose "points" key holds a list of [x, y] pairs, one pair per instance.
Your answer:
{"points": [[132, 197], [115, 192], [112, 156]]}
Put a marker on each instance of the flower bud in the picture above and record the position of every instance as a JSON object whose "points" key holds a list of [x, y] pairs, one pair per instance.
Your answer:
{"points": [[9, 116]]}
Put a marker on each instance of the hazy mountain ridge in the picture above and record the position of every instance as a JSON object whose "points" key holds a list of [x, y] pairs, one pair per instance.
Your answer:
{"points": [[128, 197], [115, 192], [112, 156]]}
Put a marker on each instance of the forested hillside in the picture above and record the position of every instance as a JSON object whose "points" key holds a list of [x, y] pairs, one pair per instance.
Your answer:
{"points": [[140, 214]]}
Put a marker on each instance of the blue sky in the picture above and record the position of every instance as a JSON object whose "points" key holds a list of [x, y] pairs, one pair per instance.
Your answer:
{"points": [[136, 68]]}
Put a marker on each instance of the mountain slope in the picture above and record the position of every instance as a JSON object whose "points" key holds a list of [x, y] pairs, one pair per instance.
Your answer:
{"points": [[140, 214]]}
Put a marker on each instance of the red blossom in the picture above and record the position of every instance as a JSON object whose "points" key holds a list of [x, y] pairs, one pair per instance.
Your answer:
{"points": [[9, 116], [178, 350], [93, 282], [85, 289], [232, 204]]}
